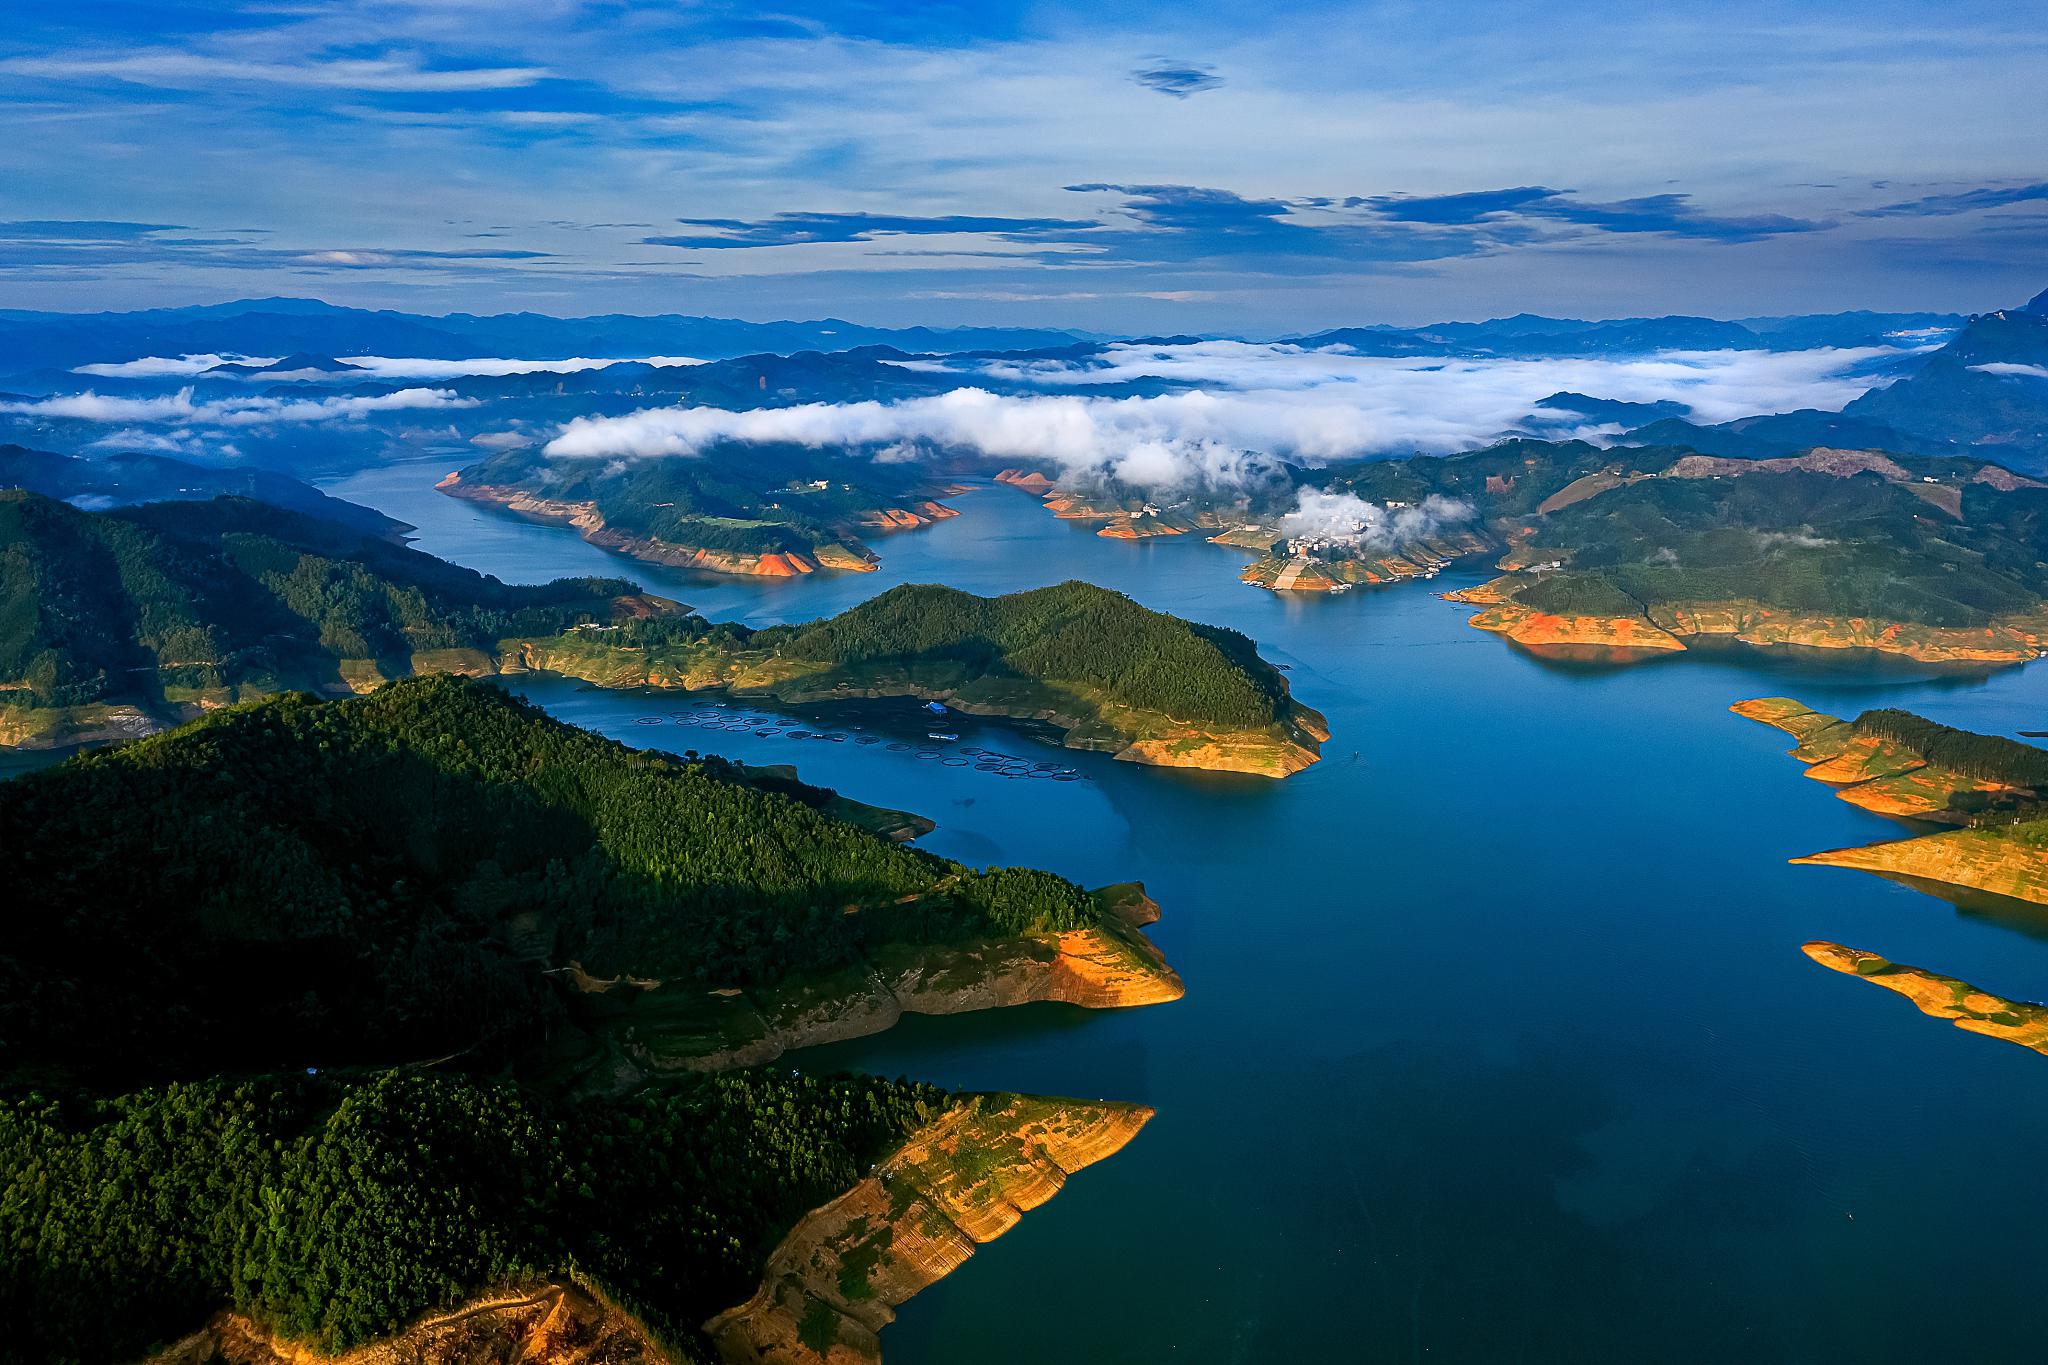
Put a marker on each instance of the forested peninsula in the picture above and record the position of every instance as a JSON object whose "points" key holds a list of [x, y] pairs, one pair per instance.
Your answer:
{"points": [[770, 511], [1107, 673], [322, 1022], [114, 624], [1993, 791]]}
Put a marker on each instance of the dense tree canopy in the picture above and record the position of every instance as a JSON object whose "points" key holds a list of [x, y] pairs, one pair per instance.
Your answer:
{"points": [[229, 595], [296, 882], [335, 1210], [760, 498], [1992, 757], [1071, 633]]}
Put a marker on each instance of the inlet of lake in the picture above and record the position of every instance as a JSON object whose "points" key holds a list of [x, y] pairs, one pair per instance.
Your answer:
{"points": [[1498, 1042]]}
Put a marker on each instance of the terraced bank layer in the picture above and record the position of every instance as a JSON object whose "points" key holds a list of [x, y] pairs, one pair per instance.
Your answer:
{"points": [[961, 1181], [1667, 627], [2002, 846], [1942, 997]]}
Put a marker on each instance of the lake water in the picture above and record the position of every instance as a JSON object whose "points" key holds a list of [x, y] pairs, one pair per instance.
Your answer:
{"points": [[1498, 1043]]}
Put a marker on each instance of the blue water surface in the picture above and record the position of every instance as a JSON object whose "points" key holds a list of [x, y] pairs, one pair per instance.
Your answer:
{"points": [[1498, 1044]]}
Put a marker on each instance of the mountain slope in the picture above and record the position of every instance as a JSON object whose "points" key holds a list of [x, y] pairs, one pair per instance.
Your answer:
{"points": [[258, 915], [133, 477], [191, 604]]}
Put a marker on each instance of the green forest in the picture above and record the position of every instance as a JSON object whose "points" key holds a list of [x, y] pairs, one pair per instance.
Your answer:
{"points": [[1799, 540], [335, 1210], [271, 984], [762, 498], [1809, 542], [294, 882], [1991, 757], [1071, 633], [233, 597]]}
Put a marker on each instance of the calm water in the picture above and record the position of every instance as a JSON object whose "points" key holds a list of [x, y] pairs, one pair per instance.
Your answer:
{"points": [[1498, 1043]]}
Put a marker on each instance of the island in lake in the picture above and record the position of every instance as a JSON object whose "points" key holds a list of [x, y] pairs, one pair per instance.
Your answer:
{"points": [[122, 622], [1942, 997], [1993, 790], [329, 1023], [774, 512], [1104, 672]]}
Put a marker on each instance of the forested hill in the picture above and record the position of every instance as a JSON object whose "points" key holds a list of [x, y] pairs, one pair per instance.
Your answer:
{"points": [[755, 499], [299, 883], [335, 1210], [1070, 633], [214, 600], [1952, 544]]}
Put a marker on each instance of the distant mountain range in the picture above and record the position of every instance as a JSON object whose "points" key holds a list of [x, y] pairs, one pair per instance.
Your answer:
{"points": [[1985, 393], [307, 327], [127, 479], [1529, 336]]}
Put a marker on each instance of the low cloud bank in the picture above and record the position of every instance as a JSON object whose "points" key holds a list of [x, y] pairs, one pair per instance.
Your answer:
{"points": [[1200, 439], [1718, 386], [171, 367], [1349, 520], [366, 366], [1256, 405], [179, 408], [2013, 370], [413, 367]]}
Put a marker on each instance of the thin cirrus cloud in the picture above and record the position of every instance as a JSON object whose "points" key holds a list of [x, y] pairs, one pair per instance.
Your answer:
{"points": [[1156, 223], [1260, 404], [792, 229], [1672, 215], [181, 70], [55, 244], [1179, 80], [1964, 201]]}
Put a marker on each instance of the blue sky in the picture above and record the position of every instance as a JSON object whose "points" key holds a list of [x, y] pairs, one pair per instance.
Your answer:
{"points": [[1111, 165]]}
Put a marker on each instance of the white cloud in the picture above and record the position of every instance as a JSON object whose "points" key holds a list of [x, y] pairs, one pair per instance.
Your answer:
{"points": [[179, 408], [1263, 404], [413, 367], [2012, 369], [196, 70], [1718, 385], [367, 367], [163, 366], [1348, 519]]}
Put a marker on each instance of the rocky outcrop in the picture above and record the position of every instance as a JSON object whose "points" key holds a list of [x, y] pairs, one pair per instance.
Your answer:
{"points": [[547, 1324], [78, 727], [1942, 997], [1030, 480], [2011, 639], [1110, 966], [961, 1181], [909, 518], [1667, 626], [1256, 755]]}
